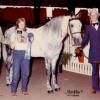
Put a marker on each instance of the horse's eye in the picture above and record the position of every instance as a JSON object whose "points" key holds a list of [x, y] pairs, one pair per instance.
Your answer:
{"points": [[71, 25]]}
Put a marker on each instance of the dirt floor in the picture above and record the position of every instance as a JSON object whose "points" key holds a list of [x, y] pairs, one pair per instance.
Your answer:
{"points": [[73, 86]]}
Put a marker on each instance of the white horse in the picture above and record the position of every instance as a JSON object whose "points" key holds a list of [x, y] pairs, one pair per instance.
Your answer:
{"points": [[48, 41], [7, 56]]}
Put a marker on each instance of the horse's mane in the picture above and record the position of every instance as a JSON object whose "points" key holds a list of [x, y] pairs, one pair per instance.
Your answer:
{"points": [[55, 24]]}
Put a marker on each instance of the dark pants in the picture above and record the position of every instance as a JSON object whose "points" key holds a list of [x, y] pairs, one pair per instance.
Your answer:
{"points": [[20, 66], [95, 76]]}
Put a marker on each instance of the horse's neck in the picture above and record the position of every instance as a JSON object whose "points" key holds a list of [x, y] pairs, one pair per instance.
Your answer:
{"points": [[63, 30], [56, 34], [65, 26]]}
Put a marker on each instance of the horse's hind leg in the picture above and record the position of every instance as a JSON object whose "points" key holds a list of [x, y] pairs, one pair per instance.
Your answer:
{"points": [[7, 78], [48, 73], [8, 75]]}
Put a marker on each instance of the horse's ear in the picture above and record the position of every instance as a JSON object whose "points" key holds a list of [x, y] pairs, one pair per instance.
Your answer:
{"points": [[72, 14], [75, 16], [78, 15]]}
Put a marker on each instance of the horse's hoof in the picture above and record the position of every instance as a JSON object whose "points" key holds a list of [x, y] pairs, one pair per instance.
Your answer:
{"points": [[57, 89], [50, 91]]}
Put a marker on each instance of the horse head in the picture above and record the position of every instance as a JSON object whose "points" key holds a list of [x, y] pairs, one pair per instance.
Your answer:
{"points": [[75, 31]]}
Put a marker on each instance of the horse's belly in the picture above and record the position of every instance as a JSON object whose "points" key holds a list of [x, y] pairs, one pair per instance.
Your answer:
{"points": [[36, 50]]}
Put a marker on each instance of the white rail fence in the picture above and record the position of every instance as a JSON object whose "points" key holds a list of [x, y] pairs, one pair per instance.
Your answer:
{"points": [[74, 65], [80, 68]]}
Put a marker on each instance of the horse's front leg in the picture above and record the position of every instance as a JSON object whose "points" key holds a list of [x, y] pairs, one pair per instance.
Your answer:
{"points": [[54, 74], [48, 74]]}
